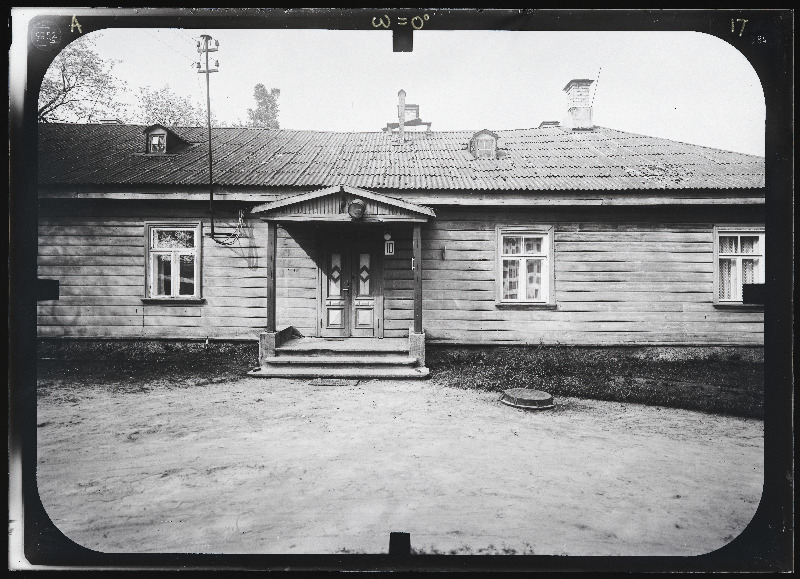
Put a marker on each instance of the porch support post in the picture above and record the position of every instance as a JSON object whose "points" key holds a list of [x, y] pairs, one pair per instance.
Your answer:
{"points": [[269, 340], [272, 245], [416, 336], [417, 253]]}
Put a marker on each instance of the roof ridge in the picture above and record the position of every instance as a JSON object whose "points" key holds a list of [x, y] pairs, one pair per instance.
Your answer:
{"points": [[376, 132]]}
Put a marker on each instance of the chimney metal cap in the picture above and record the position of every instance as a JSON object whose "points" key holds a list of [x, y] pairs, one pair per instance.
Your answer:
{"points": [[401, 93], [579, 82]]}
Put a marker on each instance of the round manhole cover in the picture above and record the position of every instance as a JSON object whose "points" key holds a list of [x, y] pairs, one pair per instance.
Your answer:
{"points": [[526, 398]]}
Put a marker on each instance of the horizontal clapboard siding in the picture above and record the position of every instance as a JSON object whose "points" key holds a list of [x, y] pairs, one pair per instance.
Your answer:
{"points": [[621, 277], [100, 261], [636, 276], [297, 279], [398, 284]]}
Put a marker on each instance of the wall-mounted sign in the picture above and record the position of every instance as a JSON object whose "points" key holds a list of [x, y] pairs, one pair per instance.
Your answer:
{"points": [[388, 248]]}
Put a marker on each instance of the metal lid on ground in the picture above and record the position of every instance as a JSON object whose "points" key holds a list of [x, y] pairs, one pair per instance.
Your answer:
{"points": [[527, 398]]}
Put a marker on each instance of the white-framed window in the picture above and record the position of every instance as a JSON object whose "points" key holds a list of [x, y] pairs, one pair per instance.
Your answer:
{"points": [[525, 265], [157, 143], [173, 260], [485, 147], [738, 260]]}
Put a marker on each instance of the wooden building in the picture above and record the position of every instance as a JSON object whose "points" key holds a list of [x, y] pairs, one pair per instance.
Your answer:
{"points": [[372, 245]]}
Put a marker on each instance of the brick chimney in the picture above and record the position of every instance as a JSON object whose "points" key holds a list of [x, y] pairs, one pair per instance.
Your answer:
{"points": [[401, 114], [579, 112]]}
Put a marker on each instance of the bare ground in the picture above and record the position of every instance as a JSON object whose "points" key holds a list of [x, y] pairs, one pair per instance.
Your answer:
{"points": [[277, 466]]}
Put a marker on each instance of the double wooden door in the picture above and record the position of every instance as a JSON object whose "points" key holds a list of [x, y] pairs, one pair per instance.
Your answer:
{"points": [[351, 292]]}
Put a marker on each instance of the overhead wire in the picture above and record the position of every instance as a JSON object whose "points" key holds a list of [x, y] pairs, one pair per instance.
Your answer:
{"points": [[237, 233], [596, 84], [182, 32], [172, 48]]}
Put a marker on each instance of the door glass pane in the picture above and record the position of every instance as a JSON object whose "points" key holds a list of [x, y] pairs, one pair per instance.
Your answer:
{"points": [[173, 238], [727, 278], [363, 274], [335, 275], [749, 244], [186, 287], [162, 285], [534, 280], [728, 244], [533, 245], [749, 269], [510, 279], [512, 245]]}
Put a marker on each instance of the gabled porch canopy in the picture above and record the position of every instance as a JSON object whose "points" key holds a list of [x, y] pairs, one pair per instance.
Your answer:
{"points": [[332, 203]]}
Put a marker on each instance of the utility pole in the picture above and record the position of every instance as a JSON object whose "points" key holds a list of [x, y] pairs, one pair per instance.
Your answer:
{"points": [[206, 48]]}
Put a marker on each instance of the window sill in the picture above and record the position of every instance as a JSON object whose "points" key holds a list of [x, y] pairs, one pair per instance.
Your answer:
{"points": [[525, 306], [173, 300], [739, 306]]}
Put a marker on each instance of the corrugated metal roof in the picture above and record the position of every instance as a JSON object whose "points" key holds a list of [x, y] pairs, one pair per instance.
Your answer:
{"points": [[545, 158]]}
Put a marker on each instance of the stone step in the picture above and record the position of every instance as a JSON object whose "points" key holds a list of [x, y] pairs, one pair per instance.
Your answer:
{"points": [[290, 371], [344, 347], [342, 359], [284, 351]]}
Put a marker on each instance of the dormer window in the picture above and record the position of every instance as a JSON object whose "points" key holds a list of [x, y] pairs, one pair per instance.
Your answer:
{"points": [[485, 148], [158, 144], [483, 145], [159, 140]]}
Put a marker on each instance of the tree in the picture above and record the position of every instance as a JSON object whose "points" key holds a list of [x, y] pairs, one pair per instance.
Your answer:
{"points": [[266, 112], [165, 107], [80, 86]]}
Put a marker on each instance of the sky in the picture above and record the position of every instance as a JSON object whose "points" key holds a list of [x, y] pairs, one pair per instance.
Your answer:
{"points": [[684, 86]]}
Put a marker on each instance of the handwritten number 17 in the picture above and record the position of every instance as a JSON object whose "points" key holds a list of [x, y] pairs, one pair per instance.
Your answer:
{"points": [[733, 25]]}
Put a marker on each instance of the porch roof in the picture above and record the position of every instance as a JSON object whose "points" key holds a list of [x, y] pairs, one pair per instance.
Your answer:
{"points": [[331, 204]]}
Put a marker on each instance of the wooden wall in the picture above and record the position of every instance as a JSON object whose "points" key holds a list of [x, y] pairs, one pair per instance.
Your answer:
{"points": [[297, 271], [99, 262], [622, 276]]}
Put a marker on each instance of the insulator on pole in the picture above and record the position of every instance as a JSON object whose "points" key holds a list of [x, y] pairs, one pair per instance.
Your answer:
{"points": [[198, 64], [216, 63], [216, 43]]}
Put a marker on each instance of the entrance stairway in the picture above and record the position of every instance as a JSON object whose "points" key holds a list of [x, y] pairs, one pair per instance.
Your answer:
{"points": [[342, 358]]}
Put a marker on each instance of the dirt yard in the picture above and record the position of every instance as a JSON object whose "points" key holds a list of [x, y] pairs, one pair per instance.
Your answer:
{"points": [[279, 466]]}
